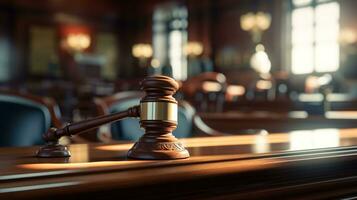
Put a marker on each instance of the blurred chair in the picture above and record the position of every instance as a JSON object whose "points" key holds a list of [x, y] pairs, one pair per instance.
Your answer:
{"points": [[234, 93], [129, 129], [282, 85], [206, 91], [246, 77], [24, 118]]}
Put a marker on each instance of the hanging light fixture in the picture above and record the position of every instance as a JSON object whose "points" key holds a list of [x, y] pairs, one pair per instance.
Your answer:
{"points": [[256, 24], [75, 38], [193, 49], [260, 60], [78, 42], [142, 51]]}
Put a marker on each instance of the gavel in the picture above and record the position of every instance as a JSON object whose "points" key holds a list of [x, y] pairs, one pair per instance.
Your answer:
{"points": [[158, 116]]}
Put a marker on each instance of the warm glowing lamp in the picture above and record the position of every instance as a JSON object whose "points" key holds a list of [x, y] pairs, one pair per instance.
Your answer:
{"points": [[260, 60], [256, 24], [77, 42], [193, 49], [347, 36], [142, 51]]}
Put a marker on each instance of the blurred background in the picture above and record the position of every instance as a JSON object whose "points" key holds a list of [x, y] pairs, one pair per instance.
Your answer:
{"points": [[243, 65]]}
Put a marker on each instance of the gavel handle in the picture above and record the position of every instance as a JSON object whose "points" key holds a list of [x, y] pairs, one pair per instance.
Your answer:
{"points": [[54, 134]]}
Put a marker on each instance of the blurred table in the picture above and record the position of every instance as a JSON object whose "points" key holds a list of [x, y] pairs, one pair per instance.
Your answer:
{"points": [[336, 101], [306, 164], [230, 122]]}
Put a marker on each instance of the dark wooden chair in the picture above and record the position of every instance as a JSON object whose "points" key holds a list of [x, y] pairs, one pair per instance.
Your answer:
{"points": [[205, 91]]}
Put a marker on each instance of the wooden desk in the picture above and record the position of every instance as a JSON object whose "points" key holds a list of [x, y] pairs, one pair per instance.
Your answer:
{"points": [[313, 164]]}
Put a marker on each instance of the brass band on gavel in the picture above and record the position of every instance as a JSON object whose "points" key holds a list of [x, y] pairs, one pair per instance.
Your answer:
{"points": [[158, 111]]}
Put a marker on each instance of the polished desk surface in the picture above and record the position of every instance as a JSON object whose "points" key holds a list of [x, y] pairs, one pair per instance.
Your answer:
{"points": [[243, 165]]}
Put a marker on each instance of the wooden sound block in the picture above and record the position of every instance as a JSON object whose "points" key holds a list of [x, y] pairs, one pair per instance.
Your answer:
{"points": [[158, 151], [53, 150]]}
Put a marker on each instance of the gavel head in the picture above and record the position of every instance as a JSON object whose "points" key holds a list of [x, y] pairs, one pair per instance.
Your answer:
{"points": [[158, 109], [158, 116]]}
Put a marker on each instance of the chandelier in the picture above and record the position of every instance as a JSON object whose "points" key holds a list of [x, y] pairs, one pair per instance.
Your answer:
{"points": [[256, 24]]}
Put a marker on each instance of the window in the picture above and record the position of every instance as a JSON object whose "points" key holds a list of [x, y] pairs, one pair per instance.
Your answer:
{"points": [[43, 58], [314, 36], [169, 38], [175, 54]]}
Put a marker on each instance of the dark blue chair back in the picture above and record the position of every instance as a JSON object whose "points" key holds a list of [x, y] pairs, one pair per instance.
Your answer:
{"points": [[22, 121]]}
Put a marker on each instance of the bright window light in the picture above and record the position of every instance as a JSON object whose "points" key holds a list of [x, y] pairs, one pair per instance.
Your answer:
{"points": [[314, 36], [175, 53], [326, 57], [301, 2], [302, 59]]}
